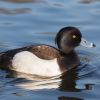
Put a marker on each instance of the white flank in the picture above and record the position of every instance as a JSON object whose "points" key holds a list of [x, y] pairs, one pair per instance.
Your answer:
{"points": [[27, 62]]}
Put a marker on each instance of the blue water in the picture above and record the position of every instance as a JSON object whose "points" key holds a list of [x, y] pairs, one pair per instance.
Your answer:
{"points": [[26, 22]]}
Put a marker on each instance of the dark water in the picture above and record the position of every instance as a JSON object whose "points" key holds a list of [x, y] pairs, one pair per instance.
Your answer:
{"points": [[26, 22]]}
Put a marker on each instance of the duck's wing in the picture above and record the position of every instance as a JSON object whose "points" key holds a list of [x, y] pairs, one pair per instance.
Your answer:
{"points": [[45, 52]]}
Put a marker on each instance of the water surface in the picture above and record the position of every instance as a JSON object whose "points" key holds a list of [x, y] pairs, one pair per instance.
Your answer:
{"points": [[26, 22]]}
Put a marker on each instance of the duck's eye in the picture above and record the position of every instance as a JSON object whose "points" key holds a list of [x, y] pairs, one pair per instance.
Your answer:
{"points": [[74, 36]]}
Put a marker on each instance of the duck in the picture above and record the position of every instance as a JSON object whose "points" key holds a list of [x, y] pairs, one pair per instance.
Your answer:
{"points": [[46, 60]]}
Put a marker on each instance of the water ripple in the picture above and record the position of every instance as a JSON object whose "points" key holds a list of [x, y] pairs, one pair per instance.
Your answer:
{"points": [[15, 11]]}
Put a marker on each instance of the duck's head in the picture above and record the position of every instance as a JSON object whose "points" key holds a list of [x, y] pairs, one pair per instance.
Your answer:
{"points": [[70, 37]]}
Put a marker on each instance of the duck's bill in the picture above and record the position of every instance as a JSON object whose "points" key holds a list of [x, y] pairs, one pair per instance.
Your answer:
{"points": [[86, 43]]}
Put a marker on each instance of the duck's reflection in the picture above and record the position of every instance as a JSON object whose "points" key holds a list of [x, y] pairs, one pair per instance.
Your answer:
{"points": [[68, 82], [68, 98]]}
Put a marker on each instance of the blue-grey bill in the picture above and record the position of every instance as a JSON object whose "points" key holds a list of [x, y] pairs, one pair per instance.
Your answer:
{"points": [[86, 43]]}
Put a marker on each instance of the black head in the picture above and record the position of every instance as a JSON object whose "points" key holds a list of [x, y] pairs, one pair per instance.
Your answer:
{"points": [[68, 38]]}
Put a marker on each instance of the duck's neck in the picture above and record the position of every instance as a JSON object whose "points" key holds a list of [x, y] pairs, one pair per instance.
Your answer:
{"points": [[67, 53]]}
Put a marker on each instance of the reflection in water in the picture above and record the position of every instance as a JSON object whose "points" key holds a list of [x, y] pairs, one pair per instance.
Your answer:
{"points": [[15, 11], [68, 98], [68, 82], [88, 1], [58, 4], [25, 1]]}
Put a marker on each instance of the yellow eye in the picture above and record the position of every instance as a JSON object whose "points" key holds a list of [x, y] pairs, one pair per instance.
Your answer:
{"points": [[74, 36]]}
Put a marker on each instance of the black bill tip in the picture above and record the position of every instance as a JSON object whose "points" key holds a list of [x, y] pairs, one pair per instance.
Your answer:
{"points": [[94, 45]]}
